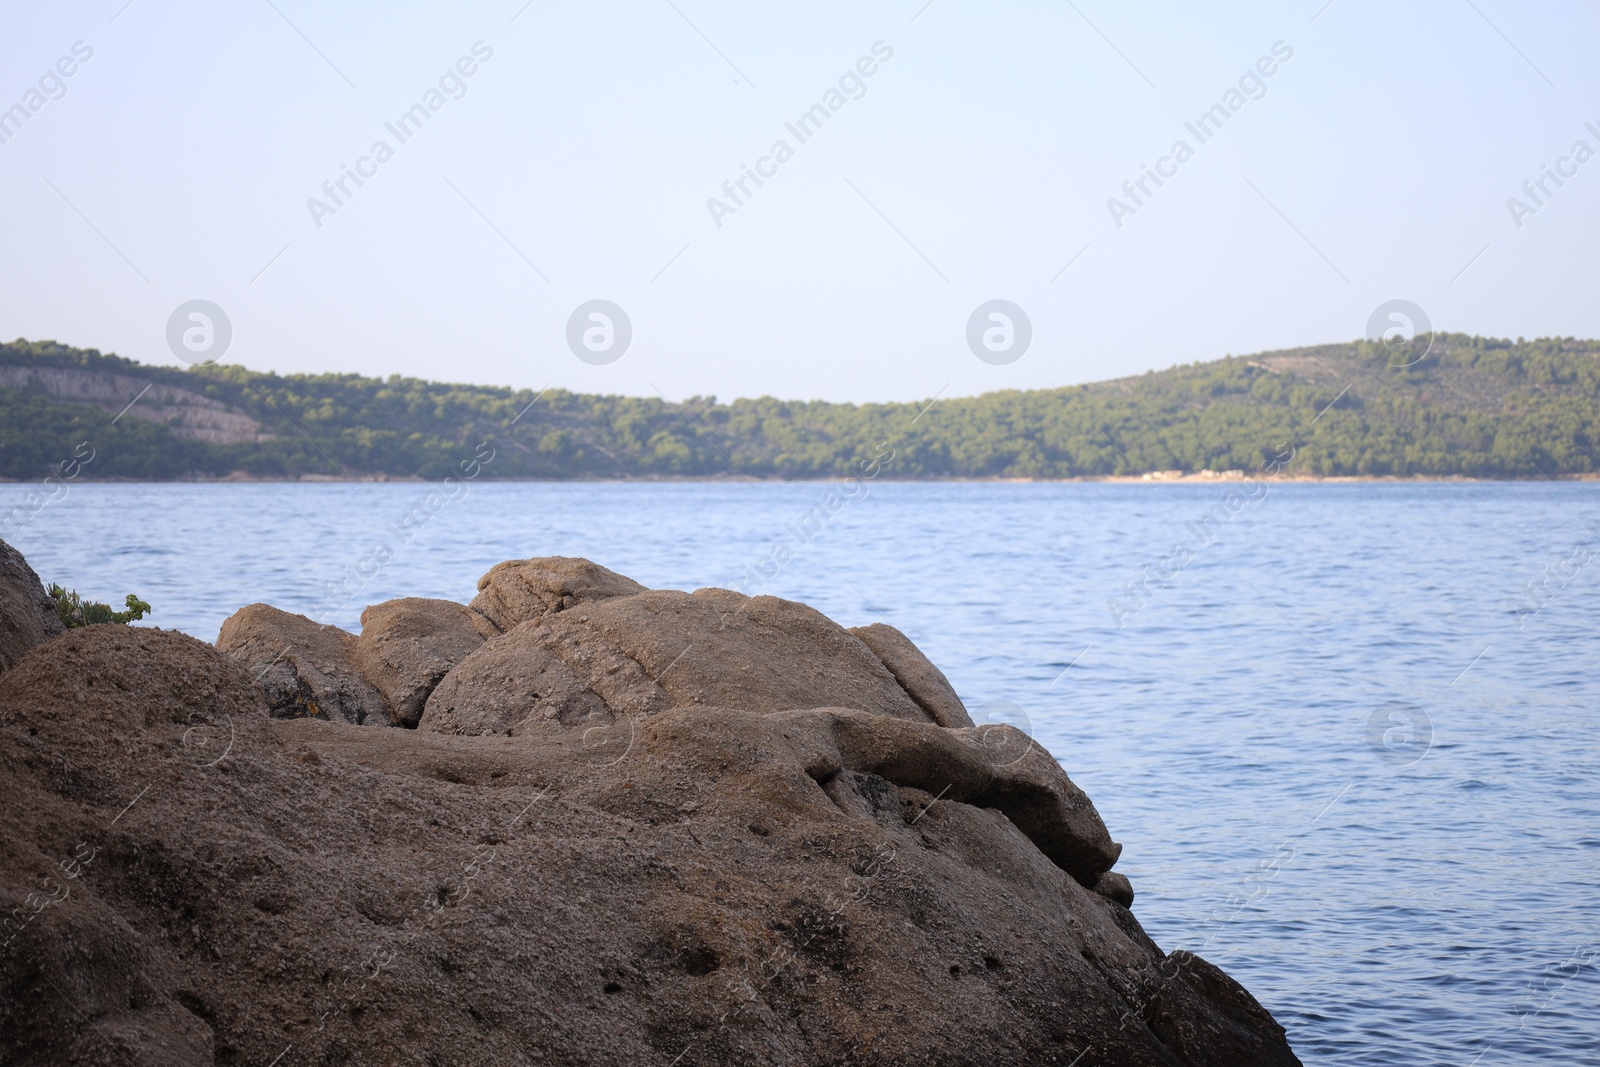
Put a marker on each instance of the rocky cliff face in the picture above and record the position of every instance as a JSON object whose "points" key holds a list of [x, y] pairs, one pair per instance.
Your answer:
{"points": [[187, 414], [628, 826]]}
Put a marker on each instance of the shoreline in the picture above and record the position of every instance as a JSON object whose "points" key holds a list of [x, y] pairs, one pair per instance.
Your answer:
{"points": [[1155, 478]]}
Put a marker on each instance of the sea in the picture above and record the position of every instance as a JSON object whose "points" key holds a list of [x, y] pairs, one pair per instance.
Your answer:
{"points": [[1348, 733]]}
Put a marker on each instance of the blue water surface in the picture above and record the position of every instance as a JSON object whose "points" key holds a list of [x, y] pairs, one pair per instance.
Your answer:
{"points": [[1353, 761]]}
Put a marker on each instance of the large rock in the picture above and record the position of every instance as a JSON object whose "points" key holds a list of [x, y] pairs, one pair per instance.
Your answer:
{"points": [[407, 645], [643, 653], [1019, 779], [759, 653], [511, 682], [710, 886], [120, 726], [306, 669], [28, 616], [922, 681], [519, 590]]}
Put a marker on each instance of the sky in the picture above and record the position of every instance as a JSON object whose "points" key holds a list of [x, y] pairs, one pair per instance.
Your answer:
{"points": [[983, 158]]}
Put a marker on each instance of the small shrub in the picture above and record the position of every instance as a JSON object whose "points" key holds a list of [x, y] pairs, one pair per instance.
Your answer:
{"points": [[75, 611]]}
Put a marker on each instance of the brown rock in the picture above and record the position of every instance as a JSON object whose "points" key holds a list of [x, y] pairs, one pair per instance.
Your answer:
{"points": [[1113, 885], [726, 886], [675, 857], [509, 682], [554, 670], [27, 614], [922, 681], [407, 645], [720, 648], [522, 589], [1198, 1009], [1017, 778], [699, 897], [306, 669], [642, 654]]}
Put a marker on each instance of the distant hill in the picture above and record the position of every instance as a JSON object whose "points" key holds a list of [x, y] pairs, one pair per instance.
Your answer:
{"points": [[1473, 407]]}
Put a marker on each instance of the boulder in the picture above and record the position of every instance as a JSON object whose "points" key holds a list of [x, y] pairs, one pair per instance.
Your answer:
{"points": [[407, 645], [27, 614], [1032, 790], [922, 681], [509, 683], [719, 648], [191, 880], [305, 668], [816, 886], [643, 653], [1114, 885], [521, 590]]}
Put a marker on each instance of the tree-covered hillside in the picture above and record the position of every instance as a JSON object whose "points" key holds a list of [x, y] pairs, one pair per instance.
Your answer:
{"points": [[1474, 406]]}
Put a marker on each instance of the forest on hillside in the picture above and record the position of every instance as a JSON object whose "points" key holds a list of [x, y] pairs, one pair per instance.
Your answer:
{"points": [[1475, 406]]}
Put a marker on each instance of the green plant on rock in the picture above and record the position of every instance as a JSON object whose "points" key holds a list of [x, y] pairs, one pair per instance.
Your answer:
{"points": [[75, 611]]}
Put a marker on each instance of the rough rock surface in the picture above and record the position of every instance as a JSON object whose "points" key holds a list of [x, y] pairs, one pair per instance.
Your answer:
{"points": [[642, 653], [189, 880], [522, 589], [407, 645], [306, 669], [510, 682], [27, 614], [922, 681]]}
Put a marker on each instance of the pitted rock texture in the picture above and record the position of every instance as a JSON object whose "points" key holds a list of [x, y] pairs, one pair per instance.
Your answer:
{"points": [[630, 875], [509, 682]]}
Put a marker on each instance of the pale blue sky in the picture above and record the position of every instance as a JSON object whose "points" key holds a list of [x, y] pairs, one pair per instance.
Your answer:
{"points": [[976, 165]]}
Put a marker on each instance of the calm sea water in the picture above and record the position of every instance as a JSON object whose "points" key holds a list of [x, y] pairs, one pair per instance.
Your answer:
{"points": [[1346, 767]]}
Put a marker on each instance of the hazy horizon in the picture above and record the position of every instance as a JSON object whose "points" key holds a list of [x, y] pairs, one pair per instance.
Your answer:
{"points": [[724, 399], [1353, 156]]}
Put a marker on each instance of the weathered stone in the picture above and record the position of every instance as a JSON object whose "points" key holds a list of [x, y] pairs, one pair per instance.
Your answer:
{"points": [[700, 895], [520, 590], [28, 616], [509, 682], [1114, 885], [306, 669], [641, 654], [639, 873], [719, 648], [1024, 783], [407, 645], [925, 683]]}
